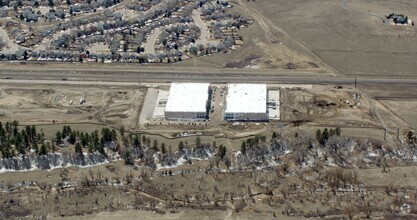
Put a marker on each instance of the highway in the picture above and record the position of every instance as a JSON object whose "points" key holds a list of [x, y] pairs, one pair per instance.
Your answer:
{"points": [[172, 76]]}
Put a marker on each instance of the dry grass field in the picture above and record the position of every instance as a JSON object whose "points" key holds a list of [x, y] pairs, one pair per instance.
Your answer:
{"points": [[399, 99], [406, 110], [349, 35]]}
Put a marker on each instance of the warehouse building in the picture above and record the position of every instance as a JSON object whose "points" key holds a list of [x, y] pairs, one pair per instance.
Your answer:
{"points": [[246, 102], [188, 101]]}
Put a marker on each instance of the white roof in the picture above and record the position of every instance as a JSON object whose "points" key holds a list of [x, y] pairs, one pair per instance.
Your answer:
{"points": [[246, 98], [188, 97], [159, 110]]}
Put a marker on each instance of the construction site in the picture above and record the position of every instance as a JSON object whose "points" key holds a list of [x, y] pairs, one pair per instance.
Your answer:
{"points": [[143, 108]]}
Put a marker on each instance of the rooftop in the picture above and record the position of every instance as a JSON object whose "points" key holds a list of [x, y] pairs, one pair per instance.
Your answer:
{"points": [[246, 98], [188, 97]]}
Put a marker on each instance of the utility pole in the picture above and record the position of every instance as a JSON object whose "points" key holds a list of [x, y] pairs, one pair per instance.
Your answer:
{"points": [[385, 134], [355, 81]]}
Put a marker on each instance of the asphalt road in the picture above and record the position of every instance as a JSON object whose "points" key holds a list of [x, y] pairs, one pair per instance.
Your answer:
{"points": [[171, 76]]}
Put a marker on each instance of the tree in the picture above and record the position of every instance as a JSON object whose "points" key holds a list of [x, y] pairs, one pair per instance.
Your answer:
{"points": [[51, 3], [274, 135], [180, 146], [163, 149], [197, 141], [222, 151], [15, 131], [1, 3], [332, 132], [43, 150], [78, 148], [58, 139], [243, 148], [325, 136], [6, 151], [64, 132], [338, 131], [128, 157], [155, 145], [91, 148], [83, 139], [33, 132], [72, 138], [136, 142], [410, 137], [68, 2]]}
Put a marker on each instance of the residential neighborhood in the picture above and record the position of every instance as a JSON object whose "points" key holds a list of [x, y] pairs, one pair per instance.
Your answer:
{"points": [[113, 31]]}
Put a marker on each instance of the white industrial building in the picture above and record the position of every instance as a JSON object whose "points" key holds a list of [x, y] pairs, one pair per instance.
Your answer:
{"points": [[187, 101], [246, 102]]}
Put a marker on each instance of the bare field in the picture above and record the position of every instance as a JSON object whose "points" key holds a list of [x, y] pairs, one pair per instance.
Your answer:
{"points": [[399, 99], [349, 35], [52, 104], [391, 92], [406, 110]]}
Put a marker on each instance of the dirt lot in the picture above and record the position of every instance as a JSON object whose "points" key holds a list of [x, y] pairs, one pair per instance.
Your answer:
{"points": [[346, 33], [337, 106], [349, 108], [62, 105]]}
